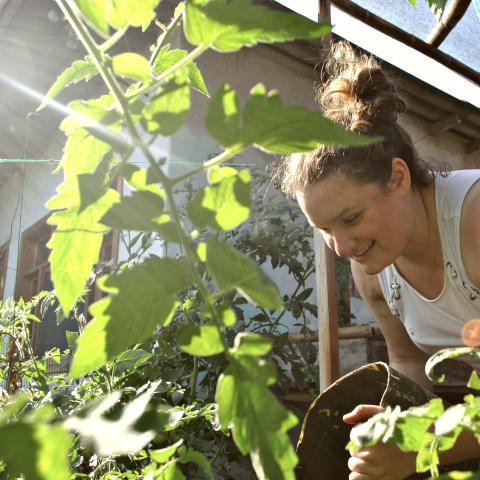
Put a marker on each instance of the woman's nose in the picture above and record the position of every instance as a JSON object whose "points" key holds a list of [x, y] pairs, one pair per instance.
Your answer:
{"points": [[343, 246]]}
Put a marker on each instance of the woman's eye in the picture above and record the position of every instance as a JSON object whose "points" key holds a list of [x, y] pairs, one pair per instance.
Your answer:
{"points": [[351, 219]]}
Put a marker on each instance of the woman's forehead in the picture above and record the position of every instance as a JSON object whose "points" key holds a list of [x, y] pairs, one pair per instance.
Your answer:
{"points": [[334, 197]]}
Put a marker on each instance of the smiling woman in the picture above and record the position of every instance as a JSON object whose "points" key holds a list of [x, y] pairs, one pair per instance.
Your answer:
{"points": [[412, 235]]}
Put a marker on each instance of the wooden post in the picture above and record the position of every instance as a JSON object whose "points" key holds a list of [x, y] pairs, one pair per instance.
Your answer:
{"points": [[327, 319]]}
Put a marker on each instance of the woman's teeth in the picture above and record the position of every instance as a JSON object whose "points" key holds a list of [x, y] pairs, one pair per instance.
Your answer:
{"points": [[365, 250]]}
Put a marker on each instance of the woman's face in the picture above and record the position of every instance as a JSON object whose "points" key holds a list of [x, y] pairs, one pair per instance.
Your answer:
{"points": [[365, 222]]}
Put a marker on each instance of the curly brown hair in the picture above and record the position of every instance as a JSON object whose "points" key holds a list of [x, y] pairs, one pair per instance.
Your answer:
{"points": [[360, 96]]}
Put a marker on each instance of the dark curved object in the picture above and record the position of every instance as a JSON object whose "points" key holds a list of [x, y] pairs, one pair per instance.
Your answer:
{"points": [[321, 446]]}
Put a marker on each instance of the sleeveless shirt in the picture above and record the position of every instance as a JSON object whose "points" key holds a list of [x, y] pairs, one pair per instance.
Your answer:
{"points": [[437, 323]]}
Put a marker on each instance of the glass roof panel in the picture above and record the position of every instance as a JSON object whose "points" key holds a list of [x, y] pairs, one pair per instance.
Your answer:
{"points": [[462, 42]]}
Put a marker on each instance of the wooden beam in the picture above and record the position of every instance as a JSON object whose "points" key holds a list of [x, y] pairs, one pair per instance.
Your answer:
{"points": [[344, 333], [448, 122], [402, 36], [327, 319], [451, 16]]}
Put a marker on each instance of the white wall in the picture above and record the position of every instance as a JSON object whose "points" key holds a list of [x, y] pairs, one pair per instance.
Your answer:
{"points": [[38, 186]]}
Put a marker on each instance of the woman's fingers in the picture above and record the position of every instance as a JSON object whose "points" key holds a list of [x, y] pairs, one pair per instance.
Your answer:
{"points": [[361, 413]]}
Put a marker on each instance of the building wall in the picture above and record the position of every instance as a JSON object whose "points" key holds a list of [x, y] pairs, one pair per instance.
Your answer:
{"points": [[38, 186]]}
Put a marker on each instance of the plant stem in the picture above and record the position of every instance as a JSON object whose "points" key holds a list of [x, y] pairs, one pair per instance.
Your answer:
{"points": [[193, 385], [166, 35], [195, 53], [222, 157], [167, 183], [110, 42]]}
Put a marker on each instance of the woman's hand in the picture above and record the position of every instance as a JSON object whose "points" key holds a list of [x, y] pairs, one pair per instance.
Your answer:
{"points": [[382, 461]]}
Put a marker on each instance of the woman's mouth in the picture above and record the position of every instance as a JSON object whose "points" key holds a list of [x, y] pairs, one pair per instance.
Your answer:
{"points": [[361, 254]]}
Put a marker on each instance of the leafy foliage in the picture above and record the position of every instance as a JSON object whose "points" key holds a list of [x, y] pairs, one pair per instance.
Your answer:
{"points": [[142, 398]]}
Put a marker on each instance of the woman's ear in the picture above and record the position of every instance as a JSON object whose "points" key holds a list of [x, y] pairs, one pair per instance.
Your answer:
{"points": [[400, 179]]}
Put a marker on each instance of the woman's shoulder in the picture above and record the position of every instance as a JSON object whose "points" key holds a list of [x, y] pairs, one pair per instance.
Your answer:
{"points": [[470, 232], [453, 189]]}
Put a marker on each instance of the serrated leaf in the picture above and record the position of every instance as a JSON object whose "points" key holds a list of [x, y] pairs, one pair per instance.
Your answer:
{"points": [[232, 270], [258, 421], [115, 437], [131, 65], [229, 26], [135, 13], [272, 126], [466, 353], [92, 186], [77, 239], [143, 298], [450, 420], [94, 12], [203, 341], [251, 344], [167, 110], [95, 113], [163, 454], [79, 70], [170, 472], [135, 212], [167, 58], [189, 455], [131, 359], [38, 451], [224, 205]]}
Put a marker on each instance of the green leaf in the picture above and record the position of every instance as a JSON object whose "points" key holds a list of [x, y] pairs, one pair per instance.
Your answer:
{"points": [[188, 455], [203, 341], [272, 126], [437, 7], [466, 353], [94, 12], [71, 340], [164, 454], [92, 186], [144, 297], [38, 451], [135, 212], [79, 70], [229, 26], [227, 315], [474, 381], [131, 359], [232, 270], [135, 13], [131, 65], [258, 421], [170, 472], [90, 113], [251, 344], [449, 420], [413, 3], [223, 118], [167, 110], [76, 241], [224, 205], [115, 437], [167, 58]]}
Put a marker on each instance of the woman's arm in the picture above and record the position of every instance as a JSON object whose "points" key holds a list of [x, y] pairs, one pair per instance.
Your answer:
{"points": [[403, 354]]}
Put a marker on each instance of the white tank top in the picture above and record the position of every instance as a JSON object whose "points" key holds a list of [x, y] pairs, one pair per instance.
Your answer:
{"points": [[436, 324]]}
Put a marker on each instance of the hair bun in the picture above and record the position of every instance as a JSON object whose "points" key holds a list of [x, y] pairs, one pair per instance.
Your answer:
{"points": [[357, 93]]}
